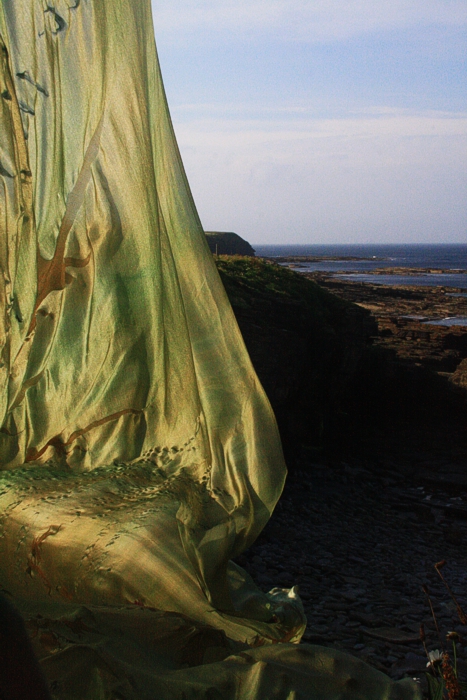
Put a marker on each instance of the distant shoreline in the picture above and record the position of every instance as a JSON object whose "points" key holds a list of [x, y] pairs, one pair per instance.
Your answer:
{"points": [[359, 245], [294, 261], [319, 258], [365, 258], [413, 320]]}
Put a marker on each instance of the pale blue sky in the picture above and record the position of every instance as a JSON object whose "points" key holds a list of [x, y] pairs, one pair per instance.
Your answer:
{"points": [[321, 121]]}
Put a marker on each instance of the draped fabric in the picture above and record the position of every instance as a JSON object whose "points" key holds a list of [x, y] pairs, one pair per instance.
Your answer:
{"points": [[139, 451]]}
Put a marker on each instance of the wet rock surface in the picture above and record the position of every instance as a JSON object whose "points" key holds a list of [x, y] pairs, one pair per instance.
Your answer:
{"points": [[360, 539], [403, 314]]}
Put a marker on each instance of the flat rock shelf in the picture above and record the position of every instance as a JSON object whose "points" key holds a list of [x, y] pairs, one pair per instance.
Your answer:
{"points": [[410, 318], [360, 539]]}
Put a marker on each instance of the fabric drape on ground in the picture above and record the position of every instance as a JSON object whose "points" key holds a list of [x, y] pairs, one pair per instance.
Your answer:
{"points": [[139, 451]]}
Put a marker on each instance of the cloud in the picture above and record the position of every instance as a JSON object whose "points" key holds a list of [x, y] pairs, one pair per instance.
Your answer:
{"points": [[309, 20], [278, 153], [390, 175]]}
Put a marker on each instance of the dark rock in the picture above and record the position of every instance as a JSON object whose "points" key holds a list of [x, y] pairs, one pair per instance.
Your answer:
{"points": [[336, 383], [453, 535], [410, 665], [459, 377], [403, 313], [306, 346], [365, 619], [20, 672], [391, 635], [285, 579]]}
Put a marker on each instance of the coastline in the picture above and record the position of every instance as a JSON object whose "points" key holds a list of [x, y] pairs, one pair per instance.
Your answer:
{"points": [[409, 316], [342, 360], [369, 510]]}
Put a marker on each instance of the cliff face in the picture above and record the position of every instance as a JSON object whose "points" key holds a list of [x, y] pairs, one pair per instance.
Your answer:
{"points": [[307, 345], [331, 385]]}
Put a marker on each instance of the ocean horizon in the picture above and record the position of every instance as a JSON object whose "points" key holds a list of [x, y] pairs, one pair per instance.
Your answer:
{"points": [[444, 256]]}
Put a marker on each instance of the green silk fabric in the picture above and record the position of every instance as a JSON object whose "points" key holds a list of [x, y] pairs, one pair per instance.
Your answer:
{"points": [[138, 450]]}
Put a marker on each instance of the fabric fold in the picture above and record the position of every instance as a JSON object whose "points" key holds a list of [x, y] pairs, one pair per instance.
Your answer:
{"points": [[138, 450]]}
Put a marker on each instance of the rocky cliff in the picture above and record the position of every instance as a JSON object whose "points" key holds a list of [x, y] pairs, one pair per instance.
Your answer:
{"points": [[307, 345], [332, 385]]}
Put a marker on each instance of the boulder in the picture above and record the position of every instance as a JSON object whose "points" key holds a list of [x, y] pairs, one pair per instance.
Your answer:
{"points": [[459, 377]]}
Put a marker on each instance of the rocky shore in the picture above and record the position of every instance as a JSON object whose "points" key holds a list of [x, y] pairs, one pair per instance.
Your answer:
{"points": [[360, 539], [350, 368], [403, 315], [379, 495]]}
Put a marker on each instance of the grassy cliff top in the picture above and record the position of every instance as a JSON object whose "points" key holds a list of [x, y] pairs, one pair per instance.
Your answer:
{"points": [[248, 278], [228, 243]]}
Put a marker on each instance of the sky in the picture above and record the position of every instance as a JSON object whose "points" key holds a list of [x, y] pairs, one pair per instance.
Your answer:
{"points": [[321, 121]]}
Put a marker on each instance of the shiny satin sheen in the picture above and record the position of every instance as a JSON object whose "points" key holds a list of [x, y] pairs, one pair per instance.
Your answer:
{"points": [[139, 451]]}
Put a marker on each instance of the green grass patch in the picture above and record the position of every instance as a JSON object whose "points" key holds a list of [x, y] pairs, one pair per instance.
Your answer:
{"points": [[245, 278]]}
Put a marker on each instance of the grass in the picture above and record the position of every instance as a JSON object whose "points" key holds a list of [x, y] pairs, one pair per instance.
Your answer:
{"points": [[246, 277], [442, 675]]}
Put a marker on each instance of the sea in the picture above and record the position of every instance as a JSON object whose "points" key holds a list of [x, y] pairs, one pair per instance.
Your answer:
{"points": [[449, 257]]}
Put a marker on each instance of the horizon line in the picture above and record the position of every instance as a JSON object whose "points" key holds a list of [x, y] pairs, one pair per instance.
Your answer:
{"points": [[366, 243]]}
